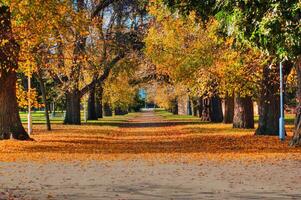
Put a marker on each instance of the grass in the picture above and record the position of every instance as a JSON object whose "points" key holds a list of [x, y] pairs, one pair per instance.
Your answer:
{"points": [[289, 118], [169, 116], [38, 117]]}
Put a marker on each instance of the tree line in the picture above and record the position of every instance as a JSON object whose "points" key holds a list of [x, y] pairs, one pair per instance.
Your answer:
{"points": [[103, 51]]}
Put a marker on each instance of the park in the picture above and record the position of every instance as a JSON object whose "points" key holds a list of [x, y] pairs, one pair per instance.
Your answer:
{"points": [[150, 99]]}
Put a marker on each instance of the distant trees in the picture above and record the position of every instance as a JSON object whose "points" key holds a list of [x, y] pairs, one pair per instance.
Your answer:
{"points": [[208, 50], [205, 65], [269, 28]]}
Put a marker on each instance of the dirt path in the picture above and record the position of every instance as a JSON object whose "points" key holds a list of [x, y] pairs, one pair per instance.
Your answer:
{"points": [[139, 177]]}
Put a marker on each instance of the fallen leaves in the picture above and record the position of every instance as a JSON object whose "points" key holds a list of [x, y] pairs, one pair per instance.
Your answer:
{"points": [[149, 138]]}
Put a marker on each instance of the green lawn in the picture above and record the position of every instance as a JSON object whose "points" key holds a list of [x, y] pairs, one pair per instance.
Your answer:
{"points": [[169, 116], [38, 117], [289, 118]]}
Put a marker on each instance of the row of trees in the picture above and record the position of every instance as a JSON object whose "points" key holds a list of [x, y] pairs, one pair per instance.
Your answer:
{"points": [[230, 50], [79, 48], [208, 50]]}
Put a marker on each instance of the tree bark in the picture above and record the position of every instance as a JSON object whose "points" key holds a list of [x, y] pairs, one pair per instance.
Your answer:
{"points": [[174, 107], [10, 122], [216, 111], [73, 108], [120, 111], [190, 106], [296, 141], [107, 111], [194, 105], [243, 112], [229, 109], [205, 110], [43, 90], [92, 105], [98, 102], [269, 101], [199, 107]]}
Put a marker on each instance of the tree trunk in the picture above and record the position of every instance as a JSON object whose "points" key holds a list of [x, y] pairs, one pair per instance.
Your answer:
{"points": [[10, 122], [229, 109], [243, 112], [107, 111], [73, 108], [199, 107], [216, 111], [174, 107], [296, 141], [43, 90], [205, 105], [194, 106], [120, 111], [98, 102], [92, 105], [269, 101], [190, 106]]}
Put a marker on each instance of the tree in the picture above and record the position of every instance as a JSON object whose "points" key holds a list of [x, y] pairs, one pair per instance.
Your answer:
{"points": [[271, 27], [186, 51], [10, 123]]}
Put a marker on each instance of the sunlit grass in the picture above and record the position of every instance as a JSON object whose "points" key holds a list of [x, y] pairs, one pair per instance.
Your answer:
{"points": [[38, 117]]}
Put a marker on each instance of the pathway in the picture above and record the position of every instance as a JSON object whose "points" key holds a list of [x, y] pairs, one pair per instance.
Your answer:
{"points": [[143, 179]]}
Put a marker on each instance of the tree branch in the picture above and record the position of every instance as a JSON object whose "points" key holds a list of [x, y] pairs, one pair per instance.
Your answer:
{"points": [[102, 5], [103, 77]]}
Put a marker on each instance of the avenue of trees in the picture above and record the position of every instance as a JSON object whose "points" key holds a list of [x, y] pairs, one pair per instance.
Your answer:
{"points": [[204, 52]]}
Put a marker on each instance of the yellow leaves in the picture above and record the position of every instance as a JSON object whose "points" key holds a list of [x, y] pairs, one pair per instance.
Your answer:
{"points": [[22, 97], [3, 42], [195, 141], [185, 50], [118, 92]]}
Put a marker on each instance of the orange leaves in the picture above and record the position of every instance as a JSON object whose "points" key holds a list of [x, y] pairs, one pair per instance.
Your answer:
{"points": [[146, 137], [22, 97]]}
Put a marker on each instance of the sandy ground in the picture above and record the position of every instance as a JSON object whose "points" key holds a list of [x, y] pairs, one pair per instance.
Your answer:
{"points": [[142, 180], [151, 179]]}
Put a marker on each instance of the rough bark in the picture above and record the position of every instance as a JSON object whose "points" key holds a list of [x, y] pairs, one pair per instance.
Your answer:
{"points": [[269, 100], [183, 105], [120, 111], [98, 102], [10, 122], [174, 107], [296, 140], [92, 105], [190, 106], [46, 103], [216, 111], [268, 107], [107, 111], [205, 110], [229, 109], [72, 108], [193, 104], [243, 112], [199, 107]]}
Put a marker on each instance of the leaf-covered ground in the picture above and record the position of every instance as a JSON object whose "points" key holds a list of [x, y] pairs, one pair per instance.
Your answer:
{"points": [[149, 156], [150, 136]]}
